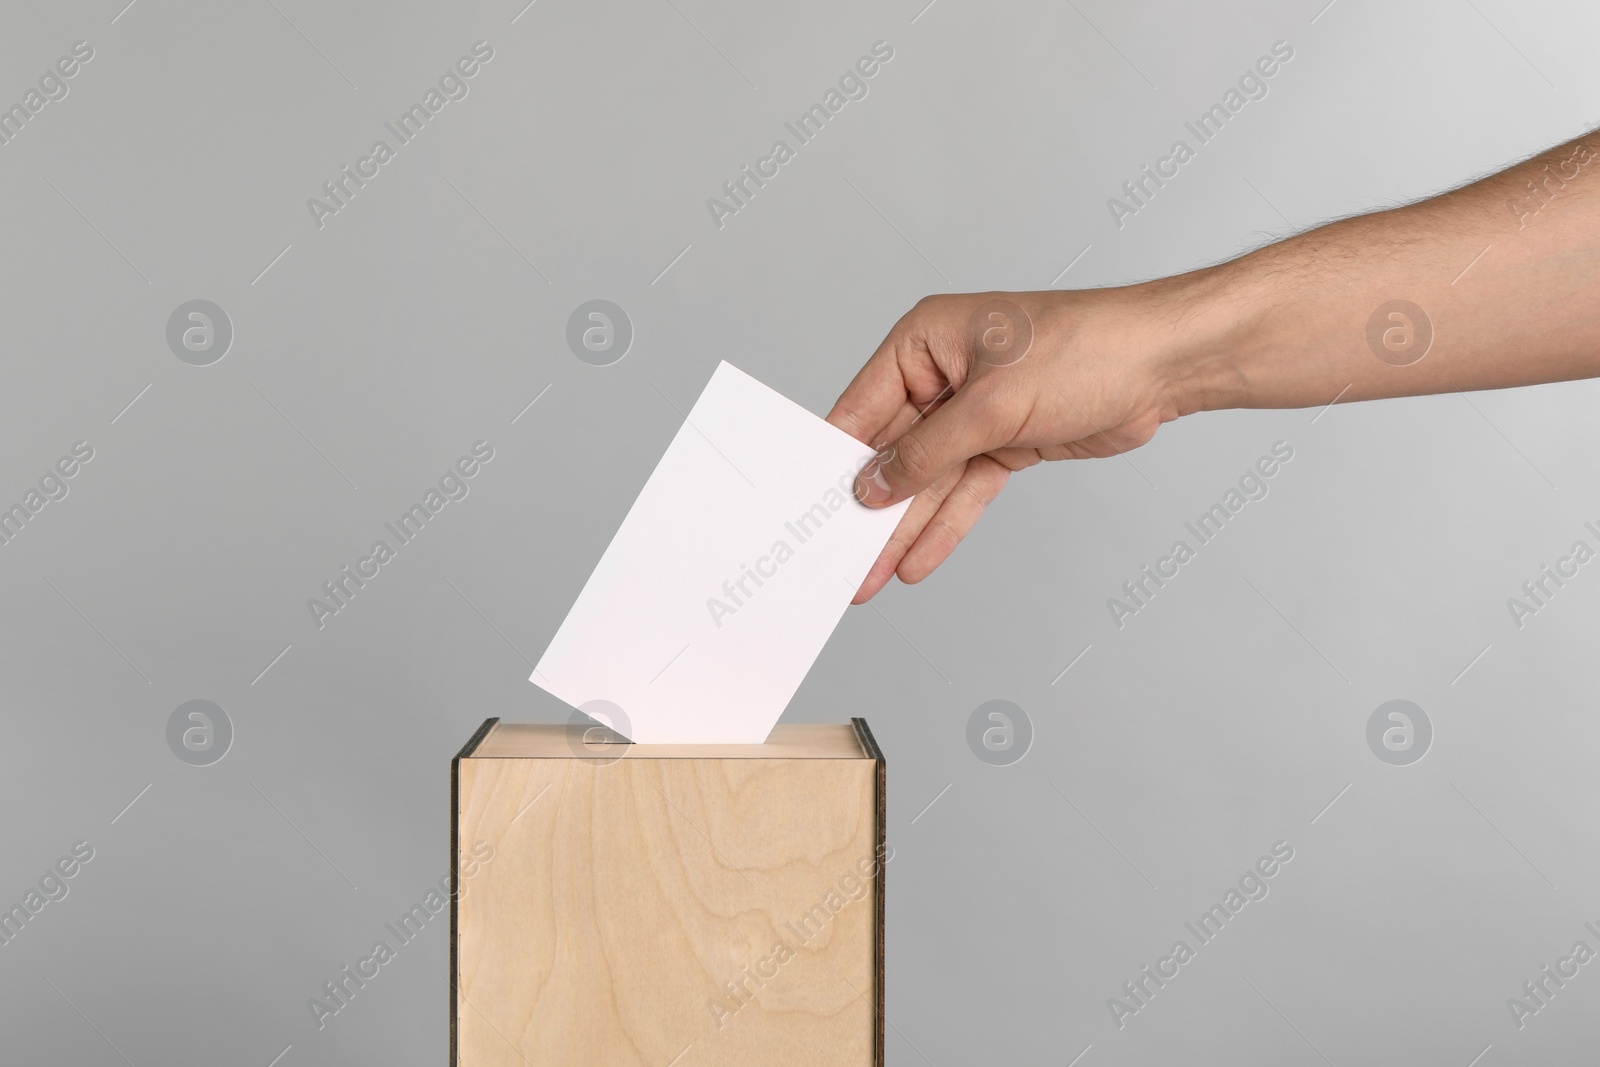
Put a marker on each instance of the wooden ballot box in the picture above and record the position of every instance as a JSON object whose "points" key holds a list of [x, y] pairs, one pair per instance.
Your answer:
{"points": [[654, 905]]}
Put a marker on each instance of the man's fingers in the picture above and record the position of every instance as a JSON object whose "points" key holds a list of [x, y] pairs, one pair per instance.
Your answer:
{"points": [[923, 507], [902, 372], [956, 431], [938, 518], [908, 416], [959, 510], [874, 396]]}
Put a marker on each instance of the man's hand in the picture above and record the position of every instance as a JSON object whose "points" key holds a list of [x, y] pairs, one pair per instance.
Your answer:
{"points": [[967, 389]]}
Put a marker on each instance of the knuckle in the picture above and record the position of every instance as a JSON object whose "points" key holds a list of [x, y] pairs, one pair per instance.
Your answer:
{"points": [[974, 491], [936, 493], [943, 537], [913, 458]]}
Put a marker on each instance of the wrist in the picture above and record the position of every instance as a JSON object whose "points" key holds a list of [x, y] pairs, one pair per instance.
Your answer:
{"points": [[1190, 338], [1207, 326]]}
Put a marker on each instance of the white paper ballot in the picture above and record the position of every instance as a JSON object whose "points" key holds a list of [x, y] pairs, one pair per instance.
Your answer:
{"points": [[728, 574]]}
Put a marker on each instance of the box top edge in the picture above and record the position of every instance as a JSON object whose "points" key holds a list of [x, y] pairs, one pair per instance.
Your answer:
{"points": [[562, 741]]}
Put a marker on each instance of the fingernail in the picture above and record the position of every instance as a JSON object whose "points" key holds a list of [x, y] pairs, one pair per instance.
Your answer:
{"points": [[872, 488]]}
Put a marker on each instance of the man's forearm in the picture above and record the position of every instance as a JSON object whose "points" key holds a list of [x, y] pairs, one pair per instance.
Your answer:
{"points": [[1505, 272]]}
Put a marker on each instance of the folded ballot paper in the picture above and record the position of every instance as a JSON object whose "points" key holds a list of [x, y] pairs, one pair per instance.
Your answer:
{"points": [[727, 576]]}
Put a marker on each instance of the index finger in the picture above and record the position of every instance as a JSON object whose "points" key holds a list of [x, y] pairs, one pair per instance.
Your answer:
{"points": [[874, 396]]}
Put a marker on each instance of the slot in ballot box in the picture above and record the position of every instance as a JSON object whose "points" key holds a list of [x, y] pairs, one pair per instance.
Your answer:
{"points": [[691, 905]]}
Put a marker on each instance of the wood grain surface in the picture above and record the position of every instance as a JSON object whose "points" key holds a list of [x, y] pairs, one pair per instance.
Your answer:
{"points": [[669, 910]]}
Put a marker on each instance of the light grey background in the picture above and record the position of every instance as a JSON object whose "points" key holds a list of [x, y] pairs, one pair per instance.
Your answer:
{"points": [[427, 315]]}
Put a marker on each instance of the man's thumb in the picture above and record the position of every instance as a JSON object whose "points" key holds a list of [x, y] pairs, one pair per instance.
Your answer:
{"points": [[915, 459]]}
